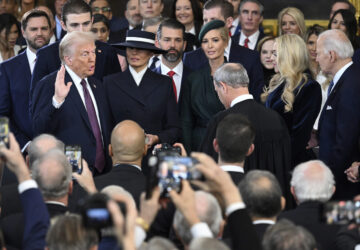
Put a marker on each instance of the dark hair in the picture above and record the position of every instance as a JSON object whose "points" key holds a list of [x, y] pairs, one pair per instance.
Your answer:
{"points": [[196, 9], [170, 23], [262, 41], [315, 29], [234, 135], [261, 6], [351, 6], [32, 14], [227, 9], [92, 1], [261, 193], [75, 7], [98, 18], [350, 24], [6, 22]]}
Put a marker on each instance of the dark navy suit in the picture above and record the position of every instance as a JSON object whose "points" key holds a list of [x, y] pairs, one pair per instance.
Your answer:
{"points": [[15, 79], [70, 123], [48, 61], [339, 130], [151, 104], [248, 58]]}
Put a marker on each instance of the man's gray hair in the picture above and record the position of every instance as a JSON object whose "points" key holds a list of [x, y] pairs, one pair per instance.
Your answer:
{"points": [[158, 243], [336, 40], [208, 210], [35, 151], [313, 180], [151, 22], [285, 235], [52, 172], [115, 189], [208, 244], [66, 47], [232, 74], [261, 7]]}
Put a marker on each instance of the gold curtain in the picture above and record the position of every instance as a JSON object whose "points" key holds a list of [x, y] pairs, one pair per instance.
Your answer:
{"points": [[356, 3]]}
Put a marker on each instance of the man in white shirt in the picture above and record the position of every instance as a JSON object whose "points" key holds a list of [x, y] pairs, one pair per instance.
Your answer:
{"points": [[170, 37], [15, 75]]}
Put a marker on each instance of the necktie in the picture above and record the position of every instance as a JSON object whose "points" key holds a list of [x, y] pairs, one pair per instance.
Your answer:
{"points": [[100, 157], [153, 64], [330, 87], [246, 42], [171, 74]]}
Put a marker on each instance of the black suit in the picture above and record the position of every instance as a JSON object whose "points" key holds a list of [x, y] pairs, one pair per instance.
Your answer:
{"points": [[272, 141], [70, 123], [126, 176], [307, 214], [261, 228], [10, 200]]}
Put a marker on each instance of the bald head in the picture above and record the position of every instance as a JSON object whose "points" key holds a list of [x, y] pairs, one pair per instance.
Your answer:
{"points": [[312, 180], [127, 142]]}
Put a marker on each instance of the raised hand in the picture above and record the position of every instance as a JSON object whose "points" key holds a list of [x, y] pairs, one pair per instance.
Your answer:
{"points": [[61, 89]]}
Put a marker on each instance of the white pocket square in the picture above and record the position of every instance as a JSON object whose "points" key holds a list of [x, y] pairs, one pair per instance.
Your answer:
{"points": [[328, 107]]}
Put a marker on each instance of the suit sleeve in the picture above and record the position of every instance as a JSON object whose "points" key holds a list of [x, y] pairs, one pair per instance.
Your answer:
{"points": [[187, 118], [256, 77], [36, 218]]}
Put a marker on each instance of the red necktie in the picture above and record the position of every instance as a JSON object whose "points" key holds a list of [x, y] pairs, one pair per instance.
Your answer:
{"points": [[246, 43], [171, 74], [100, 157]]}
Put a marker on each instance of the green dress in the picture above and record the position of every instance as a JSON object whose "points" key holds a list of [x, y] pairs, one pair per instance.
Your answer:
{"points": [[199, 104]]}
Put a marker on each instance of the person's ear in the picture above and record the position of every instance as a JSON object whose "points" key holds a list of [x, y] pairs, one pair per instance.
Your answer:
{"points": [[71, 186], [229, 22], [251, 149], [216, 145], [283, 203], [111, 154], [63, 25]]}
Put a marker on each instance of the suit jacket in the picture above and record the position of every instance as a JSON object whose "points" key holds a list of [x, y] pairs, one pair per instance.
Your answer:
{"points": [[151, 104], [307, 214], [10, 200], [48, 61], [236, 176], [15, 77], [186, 72], [236, 38], [339, 131], [272, 142], [248, 58], [261, 229], [301, 119], [126, 176], [70, 123]]}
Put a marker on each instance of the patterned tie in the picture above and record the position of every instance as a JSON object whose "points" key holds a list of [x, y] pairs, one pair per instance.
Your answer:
{"points": [[100, 157], [171, 74], [246, 42], [330, 87], [153, 64]]}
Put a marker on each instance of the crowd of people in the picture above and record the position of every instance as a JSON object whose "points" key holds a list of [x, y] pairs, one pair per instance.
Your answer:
{"points": [[275, 118]]}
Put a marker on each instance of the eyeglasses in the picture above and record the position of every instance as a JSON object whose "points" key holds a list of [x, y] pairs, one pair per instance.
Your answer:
{"points": [[103, 9]]}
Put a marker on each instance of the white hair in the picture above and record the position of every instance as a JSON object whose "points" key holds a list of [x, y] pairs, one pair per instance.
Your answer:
{"points": [[208, 210], [336, 40], [313, 180], [115, 189]]}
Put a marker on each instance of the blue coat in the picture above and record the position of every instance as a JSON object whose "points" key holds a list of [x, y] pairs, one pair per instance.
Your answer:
{"points": [[15, 79], [248, 58], [339, 130], [48, 61], [70, 123], [151, 104]]}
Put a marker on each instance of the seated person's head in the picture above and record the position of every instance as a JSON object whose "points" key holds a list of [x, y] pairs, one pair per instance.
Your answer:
{"points": [[158, 243], [8, 6], [207, 244], [152, 24], [76, 15], [101, 7]]}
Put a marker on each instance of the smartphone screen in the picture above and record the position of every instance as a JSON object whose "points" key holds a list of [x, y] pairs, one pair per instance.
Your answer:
{"points": [[73, 153], [4, 131]]}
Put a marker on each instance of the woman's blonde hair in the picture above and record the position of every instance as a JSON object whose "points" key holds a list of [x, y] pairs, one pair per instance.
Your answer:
{"points": [[298, 17], [292, 60]]}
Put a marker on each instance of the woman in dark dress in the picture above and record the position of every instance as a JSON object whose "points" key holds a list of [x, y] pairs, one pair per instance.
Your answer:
{"points": [[200, 101], [293, 93]]}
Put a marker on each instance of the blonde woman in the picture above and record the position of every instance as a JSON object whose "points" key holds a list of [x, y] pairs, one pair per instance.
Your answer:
{"points": [[291, 21], [293, 93]]}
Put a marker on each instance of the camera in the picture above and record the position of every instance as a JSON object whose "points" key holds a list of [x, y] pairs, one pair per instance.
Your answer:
{"points": [[168, 149], [167, 171], [341, 212], [73, 153], [4, 131]]}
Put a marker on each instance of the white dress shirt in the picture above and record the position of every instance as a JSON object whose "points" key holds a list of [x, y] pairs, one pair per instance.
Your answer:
{"points": [[227, 50], [232, 168], [177, 76], [252, 39], [241, 98], [31, 56], [137, 75], [234, 25]]}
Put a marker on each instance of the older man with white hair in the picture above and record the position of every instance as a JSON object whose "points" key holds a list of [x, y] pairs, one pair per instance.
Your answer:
{"points": [[339, 124], [312, 184]]}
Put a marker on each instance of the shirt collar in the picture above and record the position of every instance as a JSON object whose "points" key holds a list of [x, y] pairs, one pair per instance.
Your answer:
{"points": [[232, 168], [192, 31], [340, 72], [76, 79], [30, 55], [55, 203], [241, 98], [135, 166], [227, 50], [235, 22], [178, 68], [137, 75], [271, 222], [251, 38]]}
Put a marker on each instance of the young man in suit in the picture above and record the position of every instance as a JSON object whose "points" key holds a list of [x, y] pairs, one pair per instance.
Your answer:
{"points": [[76, 16], [71, 104], [272, 141], [15, 86], [223, 10], [171, 38], [339, 124]]}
